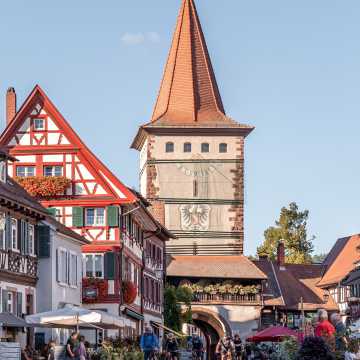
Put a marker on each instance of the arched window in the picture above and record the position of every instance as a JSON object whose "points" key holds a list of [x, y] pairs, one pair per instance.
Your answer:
{"points": [[205, 147], [169, 147], [223, 148], [187, 147]]}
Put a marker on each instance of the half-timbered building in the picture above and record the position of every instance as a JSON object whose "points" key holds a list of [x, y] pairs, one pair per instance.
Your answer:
{"points": [[82, 193]]}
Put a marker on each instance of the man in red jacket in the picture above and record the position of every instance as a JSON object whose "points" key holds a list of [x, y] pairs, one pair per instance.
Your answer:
{"points": [[324, 328]]}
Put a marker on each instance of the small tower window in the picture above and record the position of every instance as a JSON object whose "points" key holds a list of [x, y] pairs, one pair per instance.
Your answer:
{"points": [[205, 147], [223, 148], [187, 147], [195, 188], [169, 147], [39, 124]]}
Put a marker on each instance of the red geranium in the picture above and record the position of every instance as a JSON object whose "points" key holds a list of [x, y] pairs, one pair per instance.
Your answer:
{"points": [[129, 292], [44, 186]]}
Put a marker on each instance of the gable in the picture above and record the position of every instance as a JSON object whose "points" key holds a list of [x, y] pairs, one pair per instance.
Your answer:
{"points": [[39, 136]]}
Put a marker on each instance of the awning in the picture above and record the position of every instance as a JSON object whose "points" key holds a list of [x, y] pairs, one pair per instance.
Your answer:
{"points": [[134, 314], [71, 316], [11, 321], [274, 334]]}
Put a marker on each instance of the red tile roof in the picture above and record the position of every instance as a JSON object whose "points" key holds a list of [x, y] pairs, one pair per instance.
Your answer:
{"points": [[289, 283], [232, 267], [341, 260]]}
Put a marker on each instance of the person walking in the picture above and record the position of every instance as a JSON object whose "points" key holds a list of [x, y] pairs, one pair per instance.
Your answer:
{"points": [[149, 343], [51, 350], [171, 347], [340, 332], [72, 346], [324, 328], [238, 346], [82, 349]]}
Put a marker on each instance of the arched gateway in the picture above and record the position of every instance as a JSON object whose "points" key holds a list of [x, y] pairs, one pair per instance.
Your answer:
{"points": [[226, 294]]}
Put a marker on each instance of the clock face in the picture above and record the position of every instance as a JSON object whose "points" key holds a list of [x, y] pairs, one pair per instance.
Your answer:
{"points": [[201, 171]]}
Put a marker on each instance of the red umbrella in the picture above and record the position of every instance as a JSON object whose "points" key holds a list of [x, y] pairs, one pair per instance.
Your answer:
{"points": [[273, 334]]}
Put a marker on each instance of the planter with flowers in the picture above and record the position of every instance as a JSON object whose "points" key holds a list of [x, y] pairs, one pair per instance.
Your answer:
{"points": [[94, 289], [129, 292], [44, 186]]}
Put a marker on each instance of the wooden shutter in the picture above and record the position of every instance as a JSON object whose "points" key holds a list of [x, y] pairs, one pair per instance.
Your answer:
{"points": [[112, 213], [78, 216], [19, 304], [8, 233], [52, 211], [109, 266], [4, 302], [43, 240]]}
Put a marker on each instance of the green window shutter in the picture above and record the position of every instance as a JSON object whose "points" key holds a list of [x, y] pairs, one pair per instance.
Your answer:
{"points": [[112, 216], [109, 266], [51, 211], [19, 304], [8, 233], [43, 240], [4, 295], [78, 216]]}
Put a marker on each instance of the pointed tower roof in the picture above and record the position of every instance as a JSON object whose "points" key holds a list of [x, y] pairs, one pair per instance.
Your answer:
{"points": [[189, 92], [189, 99]]}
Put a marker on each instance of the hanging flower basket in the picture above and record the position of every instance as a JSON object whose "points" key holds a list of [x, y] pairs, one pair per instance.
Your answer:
{"points": [[129, 292], [44, 186]]}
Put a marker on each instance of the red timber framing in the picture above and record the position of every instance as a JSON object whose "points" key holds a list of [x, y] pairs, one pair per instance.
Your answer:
{"points": [[46, 145]]}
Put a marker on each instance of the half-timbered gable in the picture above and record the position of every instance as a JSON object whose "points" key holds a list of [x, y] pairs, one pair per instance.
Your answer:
{"points": [[46, 146]]}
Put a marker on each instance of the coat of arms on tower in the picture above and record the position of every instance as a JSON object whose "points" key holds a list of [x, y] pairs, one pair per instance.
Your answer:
{"points": [[195, 217]]}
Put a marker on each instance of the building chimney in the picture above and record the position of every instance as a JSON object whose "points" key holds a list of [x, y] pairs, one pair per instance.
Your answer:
{"points": [[10, 105], [281, 254]]}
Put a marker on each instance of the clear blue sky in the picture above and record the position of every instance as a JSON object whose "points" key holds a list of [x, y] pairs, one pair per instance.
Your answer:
{"points": [[291, 68]]}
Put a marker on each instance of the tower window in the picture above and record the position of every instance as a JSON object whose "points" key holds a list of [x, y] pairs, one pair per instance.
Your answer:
{"points": [[187, 147], [169, 147], [39, 124], [223, 148], [195, 188], [205, 147]]}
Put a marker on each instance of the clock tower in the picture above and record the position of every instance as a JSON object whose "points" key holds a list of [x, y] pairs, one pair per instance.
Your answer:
{"points": [[192, 153]]}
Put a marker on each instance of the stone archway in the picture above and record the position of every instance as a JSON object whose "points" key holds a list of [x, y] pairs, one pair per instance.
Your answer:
{"points": [[212, 325]]}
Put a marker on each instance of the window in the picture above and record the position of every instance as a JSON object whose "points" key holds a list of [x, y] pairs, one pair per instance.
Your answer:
{"points": [[14, 229], [23, 171], [73, 269], [205, 147], [10, 302], [62, 266], [2, 230], [3, 171], [39, 124], [169, 147], [94, 265], [223, 148], [195, 188], [95, 216], [31, 239], [56, 170], [187, 147]]}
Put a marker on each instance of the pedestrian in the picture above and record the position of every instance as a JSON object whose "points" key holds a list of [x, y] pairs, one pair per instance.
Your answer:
{"points": [[82, 349], [324, 328], [72, 346], [340, 332], [352, 351], [51, 350], [238, 346], [149, 343], [171, 347]]}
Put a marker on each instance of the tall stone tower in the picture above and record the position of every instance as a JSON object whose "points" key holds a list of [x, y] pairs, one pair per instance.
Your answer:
{"points": [[192, 153]]}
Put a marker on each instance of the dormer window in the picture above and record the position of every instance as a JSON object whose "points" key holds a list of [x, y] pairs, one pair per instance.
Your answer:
{"points": [[3, 171], [169, 147], [39, 124], [187, 147]]}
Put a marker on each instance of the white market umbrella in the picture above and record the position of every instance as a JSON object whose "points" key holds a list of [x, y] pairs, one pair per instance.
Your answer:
{"points": [[74, 316]]}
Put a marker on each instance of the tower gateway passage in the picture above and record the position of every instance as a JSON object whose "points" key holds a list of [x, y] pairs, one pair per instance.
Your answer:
{"points": [[192, 153]]}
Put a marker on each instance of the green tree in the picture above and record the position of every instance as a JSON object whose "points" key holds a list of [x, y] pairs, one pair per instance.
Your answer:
{"points": [[291, 229], [177, 306], [318, 258]]}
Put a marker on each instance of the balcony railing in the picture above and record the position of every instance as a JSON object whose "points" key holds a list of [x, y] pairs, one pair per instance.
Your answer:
{"points": [[17, 263], [226, 298], [98, 290], [150, 306]]}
